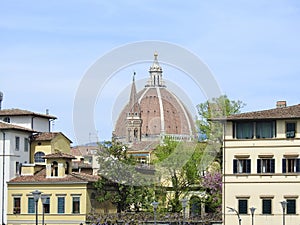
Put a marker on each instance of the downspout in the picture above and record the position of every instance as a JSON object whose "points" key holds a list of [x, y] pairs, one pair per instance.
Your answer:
{"points": [[3, 176]]}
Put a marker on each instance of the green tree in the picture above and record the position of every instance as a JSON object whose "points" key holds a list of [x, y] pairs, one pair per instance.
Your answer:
{"points": [[180, 162], [216, 108], [119, 182]]}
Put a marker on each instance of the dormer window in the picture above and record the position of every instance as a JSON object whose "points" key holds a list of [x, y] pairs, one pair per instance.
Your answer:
{"points": [[54, 169]]}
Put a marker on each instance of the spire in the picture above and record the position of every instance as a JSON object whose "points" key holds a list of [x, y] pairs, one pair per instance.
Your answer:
{"points": [[133, 102], [155, 72]]}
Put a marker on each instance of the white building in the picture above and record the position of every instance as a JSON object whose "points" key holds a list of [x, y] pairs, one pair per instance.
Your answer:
{"points": [[261, 162], [16, 128]]}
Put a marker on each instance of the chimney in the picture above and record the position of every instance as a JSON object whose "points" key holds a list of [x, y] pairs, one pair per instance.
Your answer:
{"points": [[280, 104], [1, 98]]}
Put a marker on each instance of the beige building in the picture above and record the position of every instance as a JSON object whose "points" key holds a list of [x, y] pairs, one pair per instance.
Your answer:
{"points": [[262, 166]]}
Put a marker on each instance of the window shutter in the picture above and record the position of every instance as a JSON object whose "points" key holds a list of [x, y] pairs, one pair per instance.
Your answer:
{"points": [[248, 166], [298, 165], [235, 166], [272, 164], [283, 165], [258, 165]]}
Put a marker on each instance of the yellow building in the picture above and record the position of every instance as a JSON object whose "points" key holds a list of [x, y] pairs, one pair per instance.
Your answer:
{"points": [[68, 196], [262, 167], [46, 143]]}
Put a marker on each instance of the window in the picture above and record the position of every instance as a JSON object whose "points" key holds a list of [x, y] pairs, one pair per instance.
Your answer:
{"points": [[54, 169], [60, 204], [17, 205], [76, 205], [18, 168], [38, 157], [244, 130], [265, 165], [6, 119], [31, 205], [290, 130], [17, 146], [241, 166], [267, 206], [265, 129], [46, 205], [26, 144], [291, 206], [290, 165], [243, 206]]}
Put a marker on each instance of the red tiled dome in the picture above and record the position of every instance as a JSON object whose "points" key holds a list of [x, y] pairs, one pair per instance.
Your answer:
{"points": [[161, 112]]}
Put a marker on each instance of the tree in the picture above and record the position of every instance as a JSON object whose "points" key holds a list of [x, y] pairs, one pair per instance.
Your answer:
{"points": [[216, 108], [117, 170], [180, 162]]}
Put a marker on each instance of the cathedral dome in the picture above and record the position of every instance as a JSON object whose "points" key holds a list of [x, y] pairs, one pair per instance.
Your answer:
{"points": [[153, 113]]}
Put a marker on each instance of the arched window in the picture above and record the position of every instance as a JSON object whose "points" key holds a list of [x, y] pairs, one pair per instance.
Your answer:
{"points": [[54, 169], [38, 157]]}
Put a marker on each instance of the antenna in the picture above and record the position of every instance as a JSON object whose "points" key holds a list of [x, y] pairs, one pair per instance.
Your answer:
{"points": [[1, 98]]}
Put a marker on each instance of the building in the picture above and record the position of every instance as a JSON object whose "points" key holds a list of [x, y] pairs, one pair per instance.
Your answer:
{"points": [[261, 163], [66, 197], [153, 113], [16, 128]]}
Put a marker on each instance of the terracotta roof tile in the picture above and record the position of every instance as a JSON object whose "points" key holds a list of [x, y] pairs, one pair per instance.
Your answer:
{"points": [[22, 112], [277, 113], [59, 155], [11, 126], [47, 136], [40, 177]]}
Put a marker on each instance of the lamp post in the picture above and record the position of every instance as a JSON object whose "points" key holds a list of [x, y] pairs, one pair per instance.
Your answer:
{"points": [[36, 195], [252, 210], [184, 205], [44, 200], [155, 205], [236, 212], [283, 205]]}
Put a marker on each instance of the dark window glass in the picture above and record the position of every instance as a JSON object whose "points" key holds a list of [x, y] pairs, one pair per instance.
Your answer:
{"points": [[61, 205], [76, 205], [290, 130], [47, 205], [38, 157], [17, 143], [290, 165], [291, 206], [265, 165], [17, 205], [266, 206], [244, 130], [241, 166], [243, 206], [31, 205], [26, 144], [265, 129]]}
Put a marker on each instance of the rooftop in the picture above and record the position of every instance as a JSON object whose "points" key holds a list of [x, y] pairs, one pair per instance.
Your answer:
{"points": [[10, 126], [276, 113], [22, 112], [40, 177]]}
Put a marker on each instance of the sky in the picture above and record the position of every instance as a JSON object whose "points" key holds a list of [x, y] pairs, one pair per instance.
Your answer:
{"points": [[251, 47]]}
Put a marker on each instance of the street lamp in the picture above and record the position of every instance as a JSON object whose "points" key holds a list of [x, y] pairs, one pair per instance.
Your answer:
{"points": [[155, 205], [252, 210], [184, 205], [283, 205], [36, 195], [236, 212], [44, 200]]}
